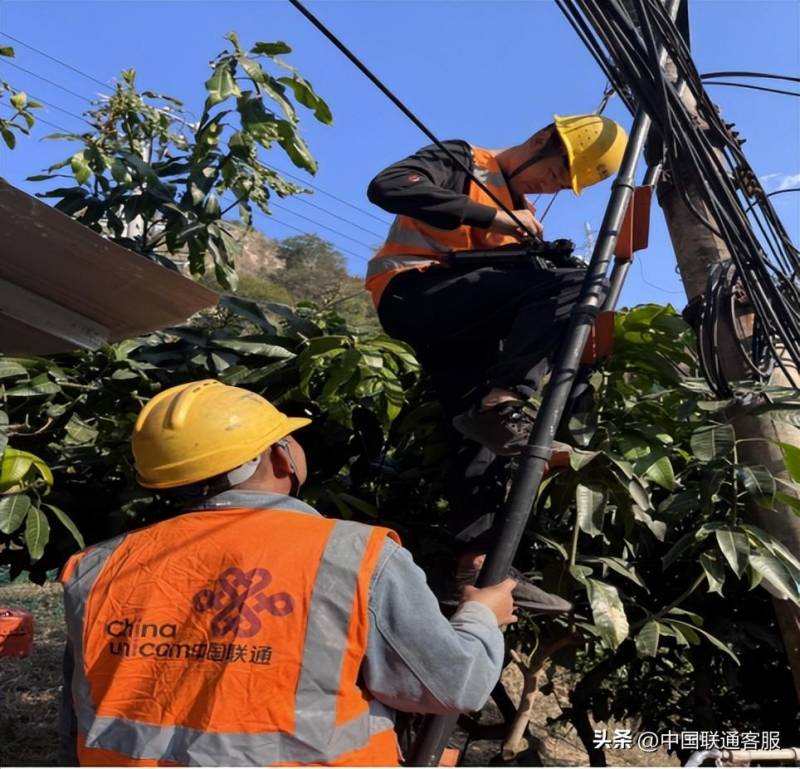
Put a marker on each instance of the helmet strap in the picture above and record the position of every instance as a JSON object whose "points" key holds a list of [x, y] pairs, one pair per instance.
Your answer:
{"points": [[553, 147]]}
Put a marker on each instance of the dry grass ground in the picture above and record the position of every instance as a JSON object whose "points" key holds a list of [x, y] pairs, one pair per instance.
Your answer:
{"points": [[29, 687], [29, 693]]}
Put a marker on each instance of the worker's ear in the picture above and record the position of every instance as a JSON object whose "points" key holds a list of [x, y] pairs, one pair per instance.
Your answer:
{"points": [[281, 459]]}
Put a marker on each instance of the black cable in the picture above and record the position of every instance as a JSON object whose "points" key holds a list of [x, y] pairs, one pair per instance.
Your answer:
{"points": [[408, 113], [306, 202], [38, 119], [705, 156], [51, 82], [768, 75], [269, 217], [53, 58], [329, 194], [772, 194], [50, 104], [753, 87], [324, 226]]}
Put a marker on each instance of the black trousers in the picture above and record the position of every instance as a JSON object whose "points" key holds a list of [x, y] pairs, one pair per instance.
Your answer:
{"points": [[474, 329]]}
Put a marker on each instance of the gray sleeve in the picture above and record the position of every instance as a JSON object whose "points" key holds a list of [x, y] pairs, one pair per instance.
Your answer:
{"points": [[67, 726], [416, 660]]}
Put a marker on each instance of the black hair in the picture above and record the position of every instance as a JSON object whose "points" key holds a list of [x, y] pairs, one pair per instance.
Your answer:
{"points": [[553, 147]]}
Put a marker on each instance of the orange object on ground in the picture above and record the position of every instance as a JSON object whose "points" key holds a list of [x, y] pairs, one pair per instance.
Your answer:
{"points": [[16, 633], [414, 245], [450, 757], [600, 343], [231, 635]]}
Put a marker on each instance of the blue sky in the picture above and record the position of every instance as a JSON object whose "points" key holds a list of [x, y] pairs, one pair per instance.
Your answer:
{"points": [[490, 72]]}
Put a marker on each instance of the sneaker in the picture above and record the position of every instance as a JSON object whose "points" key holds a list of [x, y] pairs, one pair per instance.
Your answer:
{"points": [[526, 594], [504, 429]]}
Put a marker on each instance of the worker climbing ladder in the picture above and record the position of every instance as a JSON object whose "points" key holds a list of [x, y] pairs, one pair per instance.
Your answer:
{"points": [[609, 33], [585, 340]]}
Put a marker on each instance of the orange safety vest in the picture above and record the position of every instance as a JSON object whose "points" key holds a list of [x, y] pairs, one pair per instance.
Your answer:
{"points": [[227, 637], [414, 245]]}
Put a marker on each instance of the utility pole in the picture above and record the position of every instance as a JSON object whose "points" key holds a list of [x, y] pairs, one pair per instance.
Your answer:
{"points": [[697, 250]]}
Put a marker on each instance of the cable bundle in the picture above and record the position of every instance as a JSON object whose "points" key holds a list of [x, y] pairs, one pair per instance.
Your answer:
{"points": [[624, 38]]}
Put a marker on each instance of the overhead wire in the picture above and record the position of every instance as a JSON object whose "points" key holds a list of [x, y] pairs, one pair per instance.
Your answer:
{"points": [[324, 226], [326, 192], [409, 114], [766, 75], [313, 205], [708, 156], [753, 87], [39, 119], [47, 80], [53, 58], [269, 217]]}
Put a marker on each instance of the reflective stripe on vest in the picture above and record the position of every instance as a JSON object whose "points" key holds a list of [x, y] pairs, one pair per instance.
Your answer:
{"points": [[414, 245], [317, 738]]}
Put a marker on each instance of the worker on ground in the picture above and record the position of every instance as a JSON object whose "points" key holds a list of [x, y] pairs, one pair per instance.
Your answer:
{"points": [[486, 336], [249, 629]]}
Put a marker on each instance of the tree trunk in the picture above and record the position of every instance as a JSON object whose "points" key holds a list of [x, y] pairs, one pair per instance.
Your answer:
{"points": [[697, 249]]}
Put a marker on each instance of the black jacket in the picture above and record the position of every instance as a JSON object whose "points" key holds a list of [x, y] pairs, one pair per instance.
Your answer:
{"points": [[430, 187]]}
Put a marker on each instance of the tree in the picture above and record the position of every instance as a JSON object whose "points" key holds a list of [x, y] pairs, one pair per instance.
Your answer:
{"points": [[313, 269], [156, 181], [21, 118]]}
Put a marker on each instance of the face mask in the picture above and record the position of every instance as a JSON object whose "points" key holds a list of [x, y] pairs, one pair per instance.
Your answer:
{"points": [[243, 473]]}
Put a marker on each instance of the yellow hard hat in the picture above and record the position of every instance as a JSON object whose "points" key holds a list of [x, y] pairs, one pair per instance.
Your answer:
{"points": [[594, 144], [201, 429]]}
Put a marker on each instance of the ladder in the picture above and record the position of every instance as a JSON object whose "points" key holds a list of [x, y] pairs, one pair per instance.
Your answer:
{"points": [[623, 231]]}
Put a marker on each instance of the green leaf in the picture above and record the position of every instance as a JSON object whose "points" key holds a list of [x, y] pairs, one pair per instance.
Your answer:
{"points": [[304, 93], [608, 612], [79, 432], [80, 167], [294, 146], [9, 138], [271, 49], [791, 459], [68, 523], [7, 50], [10, 369], [715, 573], [579, 459], [647, 639], [713, 442], [789, 500], [618, 565], [776, 578], [735, 547], [221, 84], [692, 633], [247, 309], [758, 481], [37, 533], [590, 502], [791, 416], [19, 100], [581, 573], [661, 472], [13, 509], [13, 467]]}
